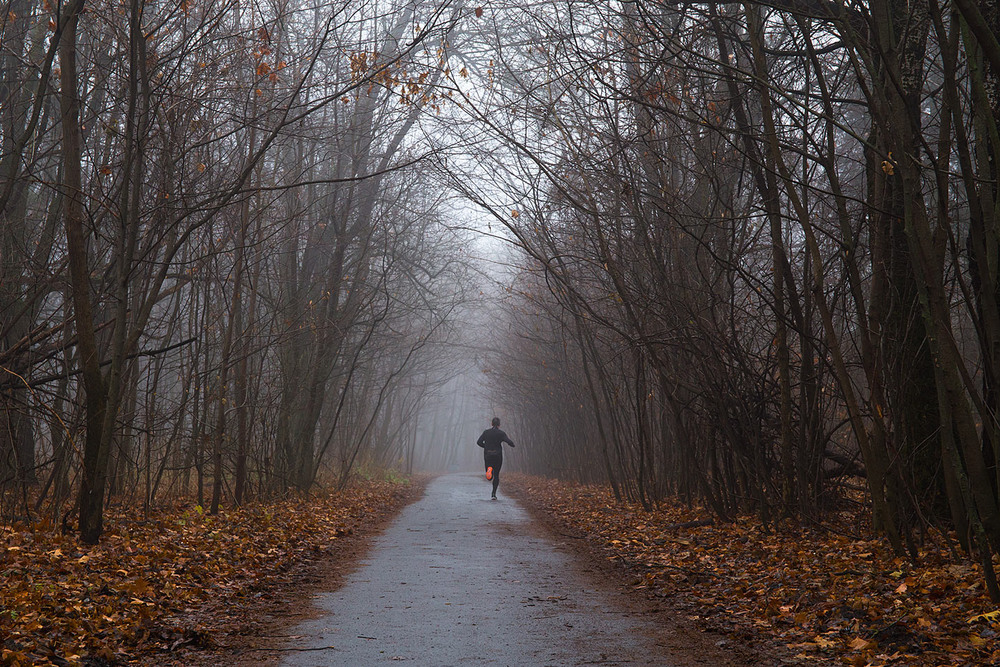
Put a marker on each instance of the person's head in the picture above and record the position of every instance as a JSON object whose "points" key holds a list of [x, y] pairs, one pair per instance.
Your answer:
{"points": [[496, 422]]}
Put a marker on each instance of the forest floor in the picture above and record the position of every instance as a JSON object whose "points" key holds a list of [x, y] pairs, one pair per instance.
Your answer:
{"points": [[832, 593], [186, 588], [182, 587]]}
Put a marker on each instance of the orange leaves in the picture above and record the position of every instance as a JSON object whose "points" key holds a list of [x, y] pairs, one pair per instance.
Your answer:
{"points": [[360, 62], [862, 644], [889, 165], [263, 49], [821, 594], [122, 600], [264, 69], [992, 617], [409, 87]]}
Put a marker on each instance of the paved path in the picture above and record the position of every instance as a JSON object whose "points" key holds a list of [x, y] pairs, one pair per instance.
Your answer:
{"points": [[459, 579]]}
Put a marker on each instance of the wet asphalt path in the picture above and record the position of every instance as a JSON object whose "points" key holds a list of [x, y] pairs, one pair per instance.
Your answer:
{"points": [[458, 579]]}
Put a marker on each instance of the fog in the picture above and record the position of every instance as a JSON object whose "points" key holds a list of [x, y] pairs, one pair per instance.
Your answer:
{"points": [[455, 411]]}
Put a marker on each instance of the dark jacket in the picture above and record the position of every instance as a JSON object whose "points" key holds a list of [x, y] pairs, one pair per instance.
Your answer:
{"points": [[492, 440]]}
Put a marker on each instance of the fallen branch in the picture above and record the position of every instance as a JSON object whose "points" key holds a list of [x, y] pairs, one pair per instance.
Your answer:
{"points": [[691, 524]]}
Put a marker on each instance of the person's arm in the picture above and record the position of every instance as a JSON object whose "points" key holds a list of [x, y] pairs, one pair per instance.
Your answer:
{"points": [[506, 439], [482, 440]]}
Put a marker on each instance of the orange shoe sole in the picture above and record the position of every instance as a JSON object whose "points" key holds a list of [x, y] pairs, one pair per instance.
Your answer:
{"points": [[489, 473]]}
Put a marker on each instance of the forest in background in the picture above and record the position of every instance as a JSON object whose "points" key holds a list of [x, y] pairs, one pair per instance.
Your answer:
{"points": [[762, 253], [753, 251], [224, 268]]}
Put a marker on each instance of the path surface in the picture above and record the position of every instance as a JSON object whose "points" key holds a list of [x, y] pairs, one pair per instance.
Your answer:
{"points": [[460, 579]]}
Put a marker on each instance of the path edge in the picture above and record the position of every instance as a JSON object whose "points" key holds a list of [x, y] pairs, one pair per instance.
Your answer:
{"points": [[690, 644], [265, 640]]}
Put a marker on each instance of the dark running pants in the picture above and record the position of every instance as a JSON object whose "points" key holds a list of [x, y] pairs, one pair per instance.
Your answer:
{"points": [[495, 460]]}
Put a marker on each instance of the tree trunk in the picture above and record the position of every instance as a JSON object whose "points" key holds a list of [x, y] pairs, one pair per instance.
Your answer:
{"points": [[95, 450]]}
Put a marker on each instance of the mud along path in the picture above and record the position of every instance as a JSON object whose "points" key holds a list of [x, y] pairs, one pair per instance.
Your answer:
{"points": [[460, 579]]}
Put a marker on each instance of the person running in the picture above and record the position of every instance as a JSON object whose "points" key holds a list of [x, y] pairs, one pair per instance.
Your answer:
{"points": [[492, 441]]}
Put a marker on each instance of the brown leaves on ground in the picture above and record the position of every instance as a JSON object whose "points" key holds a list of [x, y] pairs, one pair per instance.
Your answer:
{"points": [[826, 596], [136, 593]]}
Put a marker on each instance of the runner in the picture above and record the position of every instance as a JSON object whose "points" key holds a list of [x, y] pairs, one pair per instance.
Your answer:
{"points": [[492, 441]]}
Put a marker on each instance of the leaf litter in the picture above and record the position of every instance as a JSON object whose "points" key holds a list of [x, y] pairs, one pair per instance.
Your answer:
{"points": [[144, 590], [830, 597]]}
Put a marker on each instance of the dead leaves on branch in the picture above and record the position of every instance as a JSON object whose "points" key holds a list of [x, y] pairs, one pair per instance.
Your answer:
{"points": [[828, 597], [61, 603]]}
